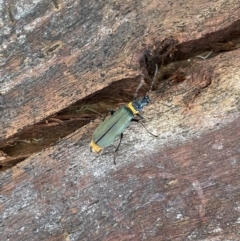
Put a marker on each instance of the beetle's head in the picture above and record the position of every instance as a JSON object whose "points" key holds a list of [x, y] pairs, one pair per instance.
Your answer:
{"points": [[140, 103]]}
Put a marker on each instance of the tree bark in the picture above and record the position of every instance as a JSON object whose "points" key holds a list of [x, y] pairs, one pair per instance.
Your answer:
{"points": [[182, 185]]}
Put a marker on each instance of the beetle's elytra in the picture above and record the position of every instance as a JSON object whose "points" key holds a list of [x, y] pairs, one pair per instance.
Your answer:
{"points": [[113, 127], [110, 129]]}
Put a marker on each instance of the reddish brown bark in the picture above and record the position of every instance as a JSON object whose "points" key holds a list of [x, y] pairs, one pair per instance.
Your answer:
{"points": [[183, 185]]}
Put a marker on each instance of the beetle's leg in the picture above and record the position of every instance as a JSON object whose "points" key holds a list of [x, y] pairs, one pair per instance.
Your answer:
{"points": [[111, 112], [115, 152], [137, 120], [141, 117]]}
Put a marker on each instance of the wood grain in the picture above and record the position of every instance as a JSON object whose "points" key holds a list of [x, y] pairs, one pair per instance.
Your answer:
{"points": [[183, 185], [54, 56]]}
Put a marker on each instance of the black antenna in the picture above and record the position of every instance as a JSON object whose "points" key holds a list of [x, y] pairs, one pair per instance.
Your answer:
{"points": [[154, 78], [142, 82], [139, 86]]}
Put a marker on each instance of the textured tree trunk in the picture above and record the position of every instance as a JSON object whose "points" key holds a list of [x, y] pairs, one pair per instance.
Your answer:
{"points": [[182, 185]]}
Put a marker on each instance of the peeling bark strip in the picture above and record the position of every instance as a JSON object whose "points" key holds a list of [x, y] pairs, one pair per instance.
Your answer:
{"points": [[55, 53], [170, 50], [183, 185]]}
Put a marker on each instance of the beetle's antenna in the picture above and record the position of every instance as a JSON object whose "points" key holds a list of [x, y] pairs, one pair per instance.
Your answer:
{"points": [[154, 78], [147, 129], [139, 86], [142, 82]]}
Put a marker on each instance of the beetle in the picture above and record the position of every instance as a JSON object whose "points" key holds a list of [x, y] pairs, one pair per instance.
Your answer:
{"points": [[113, 127]]}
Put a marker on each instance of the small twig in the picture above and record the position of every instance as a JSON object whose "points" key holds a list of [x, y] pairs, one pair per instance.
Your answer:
{"points": [[202, 57], [74, 117], [56, 120], [89, 110], [37, 140], [9, 161], [24, 141], [92, 203]]}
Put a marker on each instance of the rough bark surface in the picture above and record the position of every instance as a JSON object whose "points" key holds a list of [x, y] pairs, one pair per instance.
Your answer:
{"points": [[183, 185], [54, 53]]}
